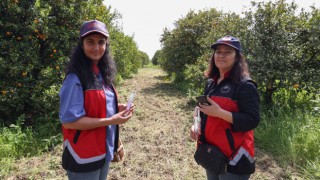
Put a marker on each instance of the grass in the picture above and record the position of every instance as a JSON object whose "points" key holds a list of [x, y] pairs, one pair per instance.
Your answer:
{"points": [[156, 139], [292, 136], [157, 142], [23, 143]]}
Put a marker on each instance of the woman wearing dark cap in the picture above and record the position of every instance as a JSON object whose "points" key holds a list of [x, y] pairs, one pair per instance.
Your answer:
{"points": [[228, 122], [89, 110]]}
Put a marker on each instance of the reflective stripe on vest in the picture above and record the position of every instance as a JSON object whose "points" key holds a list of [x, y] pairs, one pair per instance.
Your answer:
{"points": [[240, 153], [80, 160]]}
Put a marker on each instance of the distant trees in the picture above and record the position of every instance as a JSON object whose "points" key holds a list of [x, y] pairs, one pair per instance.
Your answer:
{"points": [[144, 58], [156, 57], [36, 38], [183, 45]]}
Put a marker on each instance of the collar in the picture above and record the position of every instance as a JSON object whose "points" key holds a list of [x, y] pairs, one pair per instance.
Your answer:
{"points": [[95, 69], [226, 75]]}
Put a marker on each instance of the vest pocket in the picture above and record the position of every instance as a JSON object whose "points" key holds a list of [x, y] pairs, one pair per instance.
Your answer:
{"points": [[230, 140], [76, 137]]}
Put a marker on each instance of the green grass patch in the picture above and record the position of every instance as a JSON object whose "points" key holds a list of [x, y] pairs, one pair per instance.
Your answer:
{"points": [[291, 133], [19, 141]]}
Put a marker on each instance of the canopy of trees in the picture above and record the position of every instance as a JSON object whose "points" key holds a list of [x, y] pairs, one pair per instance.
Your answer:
{"points": [[281, 46], [36, 39]]}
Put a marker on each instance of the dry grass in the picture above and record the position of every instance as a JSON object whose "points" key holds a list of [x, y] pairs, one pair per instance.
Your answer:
{"points": [[156, 139]]}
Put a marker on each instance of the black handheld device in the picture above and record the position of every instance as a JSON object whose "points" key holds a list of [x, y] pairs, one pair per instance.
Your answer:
{"points": [[203, 100]]}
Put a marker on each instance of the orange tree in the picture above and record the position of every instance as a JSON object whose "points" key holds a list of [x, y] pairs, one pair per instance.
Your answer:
{"points": [[307, 51], [24, 55], [183, 45], [36, 38], [283, 47], [125, 53], [186, 49], [144, 58], [156, 57]]}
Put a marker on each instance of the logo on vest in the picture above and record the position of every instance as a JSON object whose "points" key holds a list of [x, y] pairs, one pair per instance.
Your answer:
{"points": [[225, 89]]}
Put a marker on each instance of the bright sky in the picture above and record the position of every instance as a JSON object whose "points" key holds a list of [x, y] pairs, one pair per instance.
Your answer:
{"points": [[146, 19]]}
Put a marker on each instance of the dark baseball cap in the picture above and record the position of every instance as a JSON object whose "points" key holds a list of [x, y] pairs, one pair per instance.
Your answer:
{"points": [[229, 41], [93, 26]]}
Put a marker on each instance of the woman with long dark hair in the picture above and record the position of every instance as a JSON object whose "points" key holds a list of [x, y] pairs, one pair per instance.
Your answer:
{"points": [[230, 115], [89, 110]]}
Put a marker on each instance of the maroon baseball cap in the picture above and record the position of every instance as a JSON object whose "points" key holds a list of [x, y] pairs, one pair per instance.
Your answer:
{"points": [[229, 41], [93, 26]]}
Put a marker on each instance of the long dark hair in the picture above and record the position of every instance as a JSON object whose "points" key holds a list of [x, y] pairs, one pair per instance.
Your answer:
{"points": [[81, 66], [238, 72]]}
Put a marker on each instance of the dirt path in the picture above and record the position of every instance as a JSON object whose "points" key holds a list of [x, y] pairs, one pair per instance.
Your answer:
{"points": [[156, 139]]}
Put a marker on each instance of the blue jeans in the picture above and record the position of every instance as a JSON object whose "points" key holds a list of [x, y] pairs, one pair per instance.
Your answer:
{"points": [[100, 174], [226, 176]]}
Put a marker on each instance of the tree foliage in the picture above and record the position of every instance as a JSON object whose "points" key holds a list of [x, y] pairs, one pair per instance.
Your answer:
{"points": [[156, 57], [271, 41], [184, 44], [144, 58], [36, 39], [281, 46]]}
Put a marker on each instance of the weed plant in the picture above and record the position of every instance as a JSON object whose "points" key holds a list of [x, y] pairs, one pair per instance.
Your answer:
{"points": [[18, 140], [289, 130]]}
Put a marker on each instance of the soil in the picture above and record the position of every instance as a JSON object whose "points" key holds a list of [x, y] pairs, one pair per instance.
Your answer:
{"points": [[156, 139]]}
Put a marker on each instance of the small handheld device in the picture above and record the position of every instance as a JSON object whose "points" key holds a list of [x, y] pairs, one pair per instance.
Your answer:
{"points": [[130, 100], [197, 121], [203, 100]]}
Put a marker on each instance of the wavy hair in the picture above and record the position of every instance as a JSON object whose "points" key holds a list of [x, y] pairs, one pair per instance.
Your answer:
{"points": [[238, 72], [81, 66]]}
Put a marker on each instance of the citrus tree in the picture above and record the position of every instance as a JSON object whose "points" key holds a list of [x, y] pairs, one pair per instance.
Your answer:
{"points": [[156, 57], [145, 60], [183, 45], [307, 51], [283, 47], [36, 39], [186, 49], [28, 60]]}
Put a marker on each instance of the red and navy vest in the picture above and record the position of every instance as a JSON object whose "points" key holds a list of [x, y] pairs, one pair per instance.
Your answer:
{"points": [[85, 150], [237, 146]]}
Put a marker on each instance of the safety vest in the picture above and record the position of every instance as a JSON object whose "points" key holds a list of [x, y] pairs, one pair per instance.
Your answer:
{"points": [[237, 146], [218, 132], [85, 150]]}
